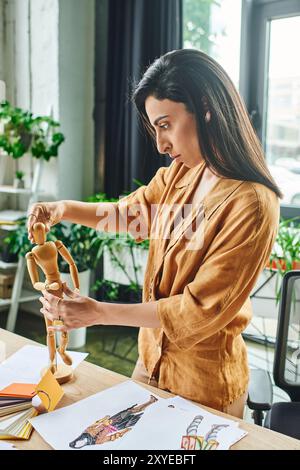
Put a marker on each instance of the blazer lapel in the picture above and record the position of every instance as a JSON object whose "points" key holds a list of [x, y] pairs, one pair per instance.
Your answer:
{"points": [[219, 193], [185, 213]]}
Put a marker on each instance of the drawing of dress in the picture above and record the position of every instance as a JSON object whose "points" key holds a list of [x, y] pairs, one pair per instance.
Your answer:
{"points": [[113, 427]]}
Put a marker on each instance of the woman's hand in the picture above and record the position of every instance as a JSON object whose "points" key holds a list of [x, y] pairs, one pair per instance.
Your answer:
{"points": [[49, 213], [78, 311], [75, 312]]}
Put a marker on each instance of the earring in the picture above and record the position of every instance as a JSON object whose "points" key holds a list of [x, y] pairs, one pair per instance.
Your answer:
{"points": [[207, 116]]}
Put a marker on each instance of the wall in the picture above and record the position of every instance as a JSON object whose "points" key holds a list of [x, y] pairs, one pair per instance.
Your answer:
{"points": [[76, 93], [47, 62], [1, 39], [30, 70]]}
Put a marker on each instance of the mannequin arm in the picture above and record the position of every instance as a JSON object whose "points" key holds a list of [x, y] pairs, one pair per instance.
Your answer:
{"points": [[65, 254], [33, 272]]}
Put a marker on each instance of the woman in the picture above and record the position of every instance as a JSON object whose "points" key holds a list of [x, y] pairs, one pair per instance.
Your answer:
{"points": [[211, 217]]}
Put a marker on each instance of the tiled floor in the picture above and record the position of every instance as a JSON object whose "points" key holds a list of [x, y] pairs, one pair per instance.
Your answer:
{"points": [[115, 348]]}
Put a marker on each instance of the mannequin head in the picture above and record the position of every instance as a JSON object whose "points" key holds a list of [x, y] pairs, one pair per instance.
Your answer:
{"points": [[39, 233]]}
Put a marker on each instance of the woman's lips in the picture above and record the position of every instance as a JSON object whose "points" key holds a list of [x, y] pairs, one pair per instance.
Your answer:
{"points": [[175, 156]]}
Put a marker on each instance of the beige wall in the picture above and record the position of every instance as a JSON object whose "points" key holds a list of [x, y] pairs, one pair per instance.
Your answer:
{"points": [[48, 66]]}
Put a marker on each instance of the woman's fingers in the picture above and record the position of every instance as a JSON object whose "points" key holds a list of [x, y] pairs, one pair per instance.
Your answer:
{"points": [[32, 219], [47, 314], [45, 303], [52, 299], [73, 294], [68, 310], [52, 306], [37, 213]]}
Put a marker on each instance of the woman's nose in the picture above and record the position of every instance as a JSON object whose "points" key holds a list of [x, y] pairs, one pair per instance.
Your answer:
{"points": [[163, 146]]}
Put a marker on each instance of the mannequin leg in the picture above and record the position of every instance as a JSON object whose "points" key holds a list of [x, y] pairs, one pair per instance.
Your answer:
{"points": [[51, 343], [64, 338]]}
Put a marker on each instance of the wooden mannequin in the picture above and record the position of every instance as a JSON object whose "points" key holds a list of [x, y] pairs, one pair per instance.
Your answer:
{"points": [[45, 256]]}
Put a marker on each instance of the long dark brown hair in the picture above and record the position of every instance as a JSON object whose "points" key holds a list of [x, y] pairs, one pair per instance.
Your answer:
{"points": [[228, 142]]}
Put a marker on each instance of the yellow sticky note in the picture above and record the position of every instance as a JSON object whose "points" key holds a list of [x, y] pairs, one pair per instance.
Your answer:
{"points": [[49, 391]]}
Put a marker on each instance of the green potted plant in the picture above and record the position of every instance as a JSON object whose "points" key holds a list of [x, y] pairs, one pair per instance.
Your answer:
{"points": [[286, 253], [267, 291], [19, 179], [123, 266], [21, 132], [6, 255], [124, 262]]}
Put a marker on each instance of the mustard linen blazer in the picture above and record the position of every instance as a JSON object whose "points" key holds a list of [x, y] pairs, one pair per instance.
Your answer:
{"points": [[202, 293]]}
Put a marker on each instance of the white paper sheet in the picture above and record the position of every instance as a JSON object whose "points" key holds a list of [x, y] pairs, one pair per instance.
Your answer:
{"points": [[189, 406], [26, 364], [6, 446], [234, 435], [167, 425], [186, 405], [8, 376], [64, 426]]}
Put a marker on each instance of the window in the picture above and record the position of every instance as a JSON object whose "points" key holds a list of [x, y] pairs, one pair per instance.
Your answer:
{"points": [[214, 26], [282, 120], [275, 93]]}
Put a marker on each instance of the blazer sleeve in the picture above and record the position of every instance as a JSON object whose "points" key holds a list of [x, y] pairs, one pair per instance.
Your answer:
{"points": [[137, 210], [226, 276]]}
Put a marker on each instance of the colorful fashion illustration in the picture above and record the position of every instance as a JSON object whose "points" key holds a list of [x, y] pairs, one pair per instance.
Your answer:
{"points": [[191, 441], [113, 427]]}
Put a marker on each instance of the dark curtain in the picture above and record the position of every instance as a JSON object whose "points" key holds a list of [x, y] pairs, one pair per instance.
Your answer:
{"points": [[138, 32]]}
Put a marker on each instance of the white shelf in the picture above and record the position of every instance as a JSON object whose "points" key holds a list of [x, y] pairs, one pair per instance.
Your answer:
{"points": [[12, 190], [11, 217], [4, 265], [8, 228], [26, 296]]}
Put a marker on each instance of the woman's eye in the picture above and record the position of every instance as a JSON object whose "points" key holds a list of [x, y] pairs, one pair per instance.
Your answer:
{"points": [[164, 126]]}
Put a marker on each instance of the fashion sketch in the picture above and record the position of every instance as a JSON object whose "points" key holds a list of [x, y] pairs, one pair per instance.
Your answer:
{"points": [[113, 427]]}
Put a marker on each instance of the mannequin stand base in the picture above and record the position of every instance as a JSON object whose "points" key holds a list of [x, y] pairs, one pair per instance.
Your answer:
{"points": [[63, 373]]}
